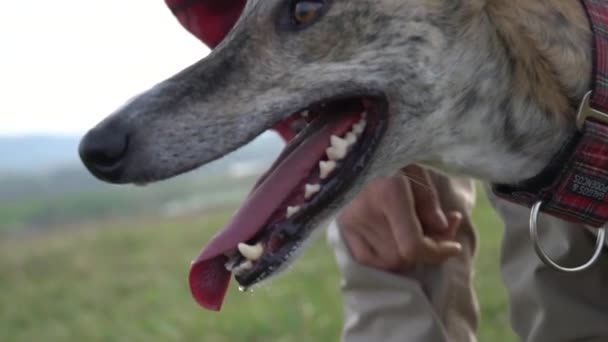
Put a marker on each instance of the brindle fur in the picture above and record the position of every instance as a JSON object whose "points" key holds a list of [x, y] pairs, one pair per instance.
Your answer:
{"points": [[485, 87]]}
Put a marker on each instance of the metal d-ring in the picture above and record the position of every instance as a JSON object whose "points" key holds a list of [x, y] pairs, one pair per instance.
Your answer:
{"points": [[599, 245]]}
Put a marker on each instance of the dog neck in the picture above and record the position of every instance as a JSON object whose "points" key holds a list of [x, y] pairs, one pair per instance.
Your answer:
{"points": [[541, 66], [550, 44]]}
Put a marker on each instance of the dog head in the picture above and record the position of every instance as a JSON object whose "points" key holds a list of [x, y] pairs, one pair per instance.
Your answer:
{"points": [[374, 85]]}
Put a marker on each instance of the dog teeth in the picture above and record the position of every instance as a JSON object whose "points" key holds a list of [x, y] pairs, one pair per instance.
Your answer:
{"points": [[360, 127], [351, 138], [364, 115], [311, 190], [251, 252], [338, 142], [304, 113], [231, 265], [292, 211], [326, 168], [334, 153], [338, 149], [247, 265]]}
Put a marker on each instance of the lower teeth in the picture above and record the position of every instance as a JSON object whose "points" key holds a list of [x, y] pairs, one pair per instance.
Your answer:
{"points": [[337, 151]]}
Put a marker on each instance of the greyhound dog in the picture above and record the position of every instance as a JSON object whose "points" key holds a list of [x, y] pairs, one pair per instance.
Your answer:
{"points": [[487, 88]]}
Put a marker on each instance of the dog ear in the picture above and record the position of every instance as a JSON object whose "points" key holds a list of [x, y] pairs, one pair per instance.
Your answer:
{"points": [[209, 20]]}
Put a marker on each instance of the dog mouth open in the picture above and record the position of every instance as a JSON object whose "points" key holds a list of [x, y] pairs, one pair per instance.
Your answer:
{"points": [[336, 142]]}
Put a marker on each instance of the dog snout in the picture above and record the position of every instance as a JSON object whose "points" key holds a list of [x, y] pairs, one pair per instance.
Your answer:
{"points": [[103, 150]]}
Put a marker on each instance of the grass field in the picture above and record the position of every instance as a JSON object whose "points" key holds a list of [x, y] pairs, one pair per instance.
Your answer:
{"points": [[127, 282]]}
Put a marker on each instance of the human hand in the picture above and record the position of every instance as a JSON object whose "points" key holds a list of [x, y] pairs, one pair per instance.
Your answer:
{"points": [[397, 222]]}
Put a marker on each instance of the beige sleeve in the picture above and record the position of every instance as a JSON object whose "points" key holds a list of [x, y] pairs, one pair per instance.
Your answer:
{"points": [[546, 305], [431, 303]]}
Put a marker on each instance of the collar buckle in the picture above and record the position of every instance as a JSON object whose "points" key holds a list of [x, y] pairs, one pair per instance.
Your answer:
{"points": [[586, 112]]}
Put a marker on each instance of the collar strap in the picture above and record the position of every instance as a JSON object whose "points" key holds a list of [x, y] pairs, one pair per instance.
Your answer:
{"points": [[574, 186]]}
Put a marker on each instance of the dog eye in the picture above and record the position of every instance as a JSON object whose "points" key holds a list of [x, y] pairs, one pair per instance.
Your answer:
{"points": [[304, 12]]}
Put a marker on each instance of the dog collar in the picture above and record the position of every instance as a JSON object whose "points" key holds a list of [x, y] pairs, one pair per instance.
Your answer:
{"points": [[574, 186]]}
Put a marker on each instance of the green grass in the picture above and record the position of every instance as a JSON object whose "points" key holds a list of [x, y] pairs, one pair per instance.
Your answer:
{"points": [[494, 313], [118, 284]]}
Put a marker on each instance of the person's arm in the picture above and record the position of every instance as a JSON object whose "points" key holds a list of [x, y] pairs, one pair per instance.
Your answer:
{"points": [[398, 221], [404, 248]]}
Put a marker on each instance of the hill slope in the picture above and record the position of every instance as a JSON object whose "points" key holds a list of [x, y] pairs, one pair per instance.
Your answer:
{"points": [[37, 153], [56, 189], [43, 154], [118, 284]]}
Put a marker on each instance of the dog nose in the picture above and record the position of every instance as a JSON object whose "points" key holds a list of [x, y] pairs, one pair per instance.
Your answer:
{"points": [[103, 150]]}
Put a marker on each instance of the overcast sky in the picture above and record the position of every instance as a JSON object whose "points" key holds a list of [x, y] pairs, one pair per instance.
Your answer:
{"points": [[66, 64]]}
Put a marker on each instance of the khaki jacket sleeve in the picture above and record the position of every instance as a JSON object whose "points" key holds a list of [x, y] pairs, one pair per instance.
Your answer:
{"points": [[546, 305], [431, 303]]}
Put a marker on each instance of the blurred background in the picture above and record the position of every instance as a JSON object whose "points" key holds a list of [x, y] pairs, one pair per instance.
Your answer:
{"points": [[81, 260]]}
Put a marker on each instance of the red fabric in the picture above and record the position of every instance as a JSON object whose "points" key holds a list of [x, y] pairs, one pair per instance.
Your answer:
{"points": [[581, 192], [597, 10], [209, 20]]}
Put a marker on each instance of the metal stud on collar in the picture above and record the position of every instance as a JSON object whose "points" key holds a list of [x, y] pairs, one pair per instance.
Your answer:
{"points": [[599, 245]]}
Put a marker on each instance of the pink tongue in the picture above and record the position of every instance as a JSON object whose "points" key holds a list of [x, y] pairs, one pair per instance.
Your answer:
{"points": [[209, 278]]}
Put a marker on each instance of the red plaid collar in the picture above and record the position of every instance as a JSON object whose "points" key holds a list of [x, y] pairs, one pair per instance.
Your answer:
{"points": [[574, 186]]}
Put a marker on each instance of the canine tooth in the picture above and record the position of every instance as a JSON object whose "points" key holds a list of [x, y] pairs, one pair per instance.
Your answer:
{"points": [[292, 211], [251, 252], [351, 138], [311, 190], [326, 168]]}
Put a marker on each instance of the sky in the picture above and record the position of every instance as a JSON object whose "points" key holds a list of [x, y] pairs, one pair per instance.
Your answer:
{"points": [[66, 64]]}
